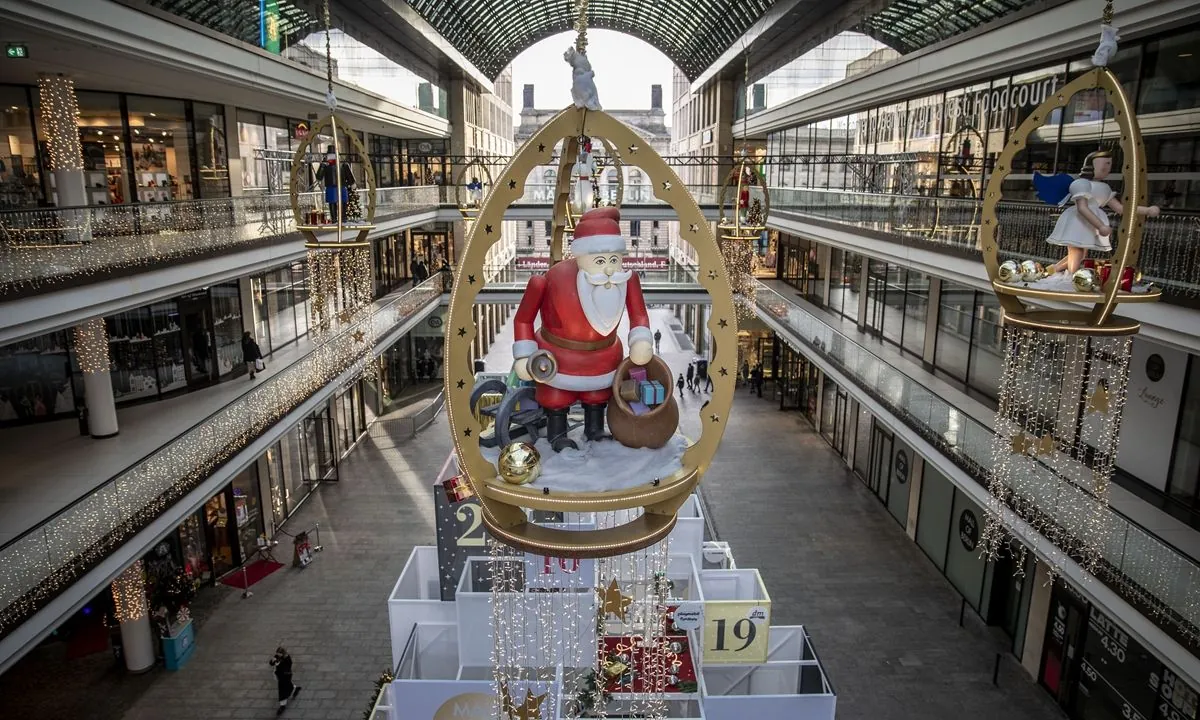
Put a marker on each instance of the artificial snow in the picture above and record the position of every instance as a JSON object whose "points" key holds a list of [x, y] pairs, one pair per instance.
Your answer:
{"points": [[603, 465]]}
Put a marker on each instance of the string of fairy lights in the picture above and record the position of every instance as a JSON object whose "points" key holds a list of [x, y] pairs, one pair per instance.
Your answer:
{"points": [[60, 121], [1055, 444], [34, 568], [54, 246], [91, 346], [129, 594]]}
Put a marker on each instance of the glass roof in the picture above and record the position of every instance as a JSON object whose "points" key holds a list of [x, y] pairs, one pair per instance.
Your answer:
{"points": [[241, 20], [909, 25], [692, 33]]}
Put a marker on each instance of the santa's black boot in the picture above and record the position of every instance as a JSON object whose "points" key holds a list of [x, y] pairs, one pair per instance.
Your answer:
{"points": [[593, 422], [556, 430]]}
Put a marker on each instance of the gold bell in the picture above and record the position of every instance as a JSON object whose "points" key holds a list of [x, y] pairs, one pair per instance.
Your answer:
{"points": [[1084, 280], [519, 463]]}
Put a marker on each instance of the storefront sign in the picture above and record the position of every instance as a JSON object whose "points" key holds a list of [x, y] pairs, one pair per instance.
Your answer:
{"points": [[1026, 95], [17, 51], [901, 467], [424, 147], [688, 616], [968, 530], [301, 130]]}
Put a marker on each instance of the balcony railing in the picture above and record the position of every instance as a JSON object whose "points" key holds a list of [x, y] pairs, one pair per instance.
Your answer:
{"points": [[42, 562], [44, 246], [1162, 582], [1170, 255]]}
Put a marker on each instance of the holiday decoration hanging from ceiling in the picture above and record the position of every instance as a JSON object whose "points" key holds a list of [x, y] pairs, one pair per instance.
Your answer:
{"points": [[474, 181], [580, 466], [327, 204], [1065, 371]]}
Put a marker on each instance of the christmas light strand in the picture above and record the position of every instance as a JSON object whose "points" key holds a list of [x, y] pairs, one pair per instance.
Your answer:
{"points": [[60, 121]]}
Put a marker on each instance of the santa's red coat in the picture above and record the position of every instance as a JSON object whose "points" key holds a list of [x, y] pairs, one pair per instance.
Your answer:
{"points": [[555, 296]]}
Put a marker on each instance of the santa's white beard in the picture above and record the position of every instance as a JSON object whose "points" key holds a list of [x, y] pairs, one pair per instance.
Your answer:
{"points": [[603, 306]]}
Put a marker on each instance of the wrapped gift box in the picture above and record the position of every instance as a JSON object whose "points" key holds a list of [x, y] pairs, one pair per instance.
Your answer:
{"points": [[629, 391], [638, 408], [652, 392], [637, 374]]}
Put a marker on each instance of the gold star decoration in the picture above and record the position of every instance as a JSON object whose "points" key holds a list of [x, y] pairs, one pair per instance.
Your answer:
{"points": [[541, 147], [1021, 443], [344, 316], [612, 601], [715, 418], [1045, 444], [530, 709], [1098, 402], [723, 322], [633, 149], [512, 184], [693, 227], [358, 336], [666, 185], [712, 274]]}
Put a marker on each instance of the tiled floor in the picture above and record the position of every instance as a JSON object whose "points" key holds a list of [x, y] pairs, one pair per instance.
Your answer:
{"points": [[882, 618]]}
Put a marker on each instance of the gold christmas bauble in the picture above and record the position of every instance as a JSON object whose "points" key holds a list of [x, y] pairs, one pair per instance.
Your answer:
{"points": [[519, 463], [1031, 271], [1085, 280], [1009, 271]]}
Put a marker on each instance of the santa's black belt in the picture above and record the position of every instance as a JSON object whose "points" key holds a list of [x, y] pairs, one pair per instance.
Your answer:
{"points": [[578, 344]]}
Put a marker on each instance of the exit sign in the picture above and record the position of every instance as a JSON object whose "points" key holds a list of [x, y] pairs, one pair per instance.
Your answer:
{"points": [[15, 50]]}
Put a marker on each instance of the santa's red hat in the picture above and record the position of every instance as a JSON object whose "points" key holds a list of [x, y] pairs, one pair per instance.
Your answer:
{"points": [[598, 231]]}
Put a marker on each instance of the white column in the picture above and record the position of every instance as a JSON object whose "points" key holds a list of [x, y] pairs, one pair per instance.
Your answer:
{"points": [[59, 116], [91, 350], [132, 611]]}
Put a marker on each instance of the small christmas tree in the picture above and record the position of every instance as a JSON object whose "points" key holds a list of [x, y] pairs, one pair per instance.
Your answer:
{"points": [[754, 217], [354, 207]]}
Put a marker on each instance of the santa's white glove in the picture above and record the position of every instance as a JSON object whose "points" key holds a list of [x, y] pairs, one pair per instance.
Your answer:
{"points": [[1107, 49], [640, 351], [521, 368]]}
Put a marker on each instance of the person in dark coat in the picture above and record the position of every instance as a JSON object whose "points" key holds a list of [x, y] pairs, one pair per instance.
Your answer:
{"points": [[691, 374], [282, 662], [250, 353], [657, 340], [679, 383], [756, 379], [330, 176]]}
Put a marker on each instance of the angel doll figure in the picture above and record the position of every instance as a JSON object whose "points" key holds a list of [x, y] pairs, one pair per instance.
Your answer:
{"points": [[1083, 225], [585, 167]]}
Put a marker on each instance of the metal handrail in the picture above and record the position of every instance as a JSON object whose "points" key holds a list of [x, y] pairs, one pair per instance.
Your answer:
{"points": [[1147, 571], [1170, 251], [45, 559]]}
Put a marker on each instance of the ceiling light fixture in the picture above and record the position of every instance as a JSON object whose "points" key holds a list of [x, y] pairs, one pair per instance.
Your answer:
{"points": [[153, 114]]}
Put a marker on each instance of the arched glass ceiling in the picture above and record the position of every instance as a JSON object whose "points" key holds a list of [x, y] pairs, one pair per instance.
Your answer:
{"points": [[692, 33], [909, 25]]}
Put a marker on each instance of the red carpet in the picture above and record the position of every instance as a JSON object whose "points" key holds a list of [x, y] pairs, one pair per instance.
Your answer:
{"points": [[88, 639], [255, 571]]}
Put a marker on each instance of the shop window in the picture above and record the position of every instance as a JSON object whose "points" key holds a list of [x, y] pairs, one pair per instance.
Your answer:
{"points": [[212, 152], [101, 131], [227, 326], [35, 380], [162, 162], [252, 135], [20, 178], [933, 515], [987, 346], [1185, 466], [916, 308], [964, 567], [1171, 74], [955, 318], [247, 511]]}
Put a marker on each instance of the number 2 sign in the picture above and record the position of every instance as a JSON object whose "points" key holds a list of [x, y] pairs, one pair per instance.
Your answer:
{"points": [[736, 632]]}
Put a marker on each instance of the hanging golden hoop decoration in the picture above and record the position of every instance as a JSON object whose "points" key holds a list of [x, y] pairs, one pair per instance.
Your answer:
{"points": [[505, 505], [470, 211], [1100, 319], [735, 229], [346, 235]]}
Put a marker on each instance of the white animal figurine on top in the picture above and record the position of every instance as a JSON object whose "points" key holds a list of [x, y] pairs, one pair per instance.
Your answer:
{"points": [[583, 80], [1106, 50]]}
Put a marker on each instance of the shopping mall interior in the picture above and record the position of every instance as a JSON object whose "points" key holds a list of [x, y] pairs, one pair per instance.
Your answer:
{"points": [[486, 359]]}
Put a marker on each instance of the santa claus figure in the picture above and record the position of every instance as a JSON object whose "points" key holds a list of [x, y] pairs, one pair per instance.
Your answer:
{"points": [[581, 302]]}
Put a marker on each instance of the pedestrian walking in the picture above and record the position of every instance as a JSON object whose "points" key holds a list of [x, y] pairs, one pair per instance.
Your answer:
{"points": [[708, 383], [657, 341], [679, 383], [691, 374], [745, 372], [756, 382], [282, 662], [252, 355]]}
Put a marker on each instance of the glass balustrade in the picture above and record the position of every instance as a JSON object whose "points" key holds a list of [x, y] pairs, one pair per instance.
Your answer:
{"points": [[55, 245], [48, 558], [1157, 578], [1170, 253]]}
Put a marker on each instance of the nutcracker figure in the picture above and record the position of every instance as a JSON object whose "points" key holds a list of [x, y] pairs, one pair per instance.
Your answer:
{"points": [[581, 301]]}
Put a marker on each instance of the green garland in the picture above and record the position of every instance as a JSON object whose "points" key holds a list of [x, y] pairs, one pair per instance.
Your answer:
{"points": [[384, 678]]}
